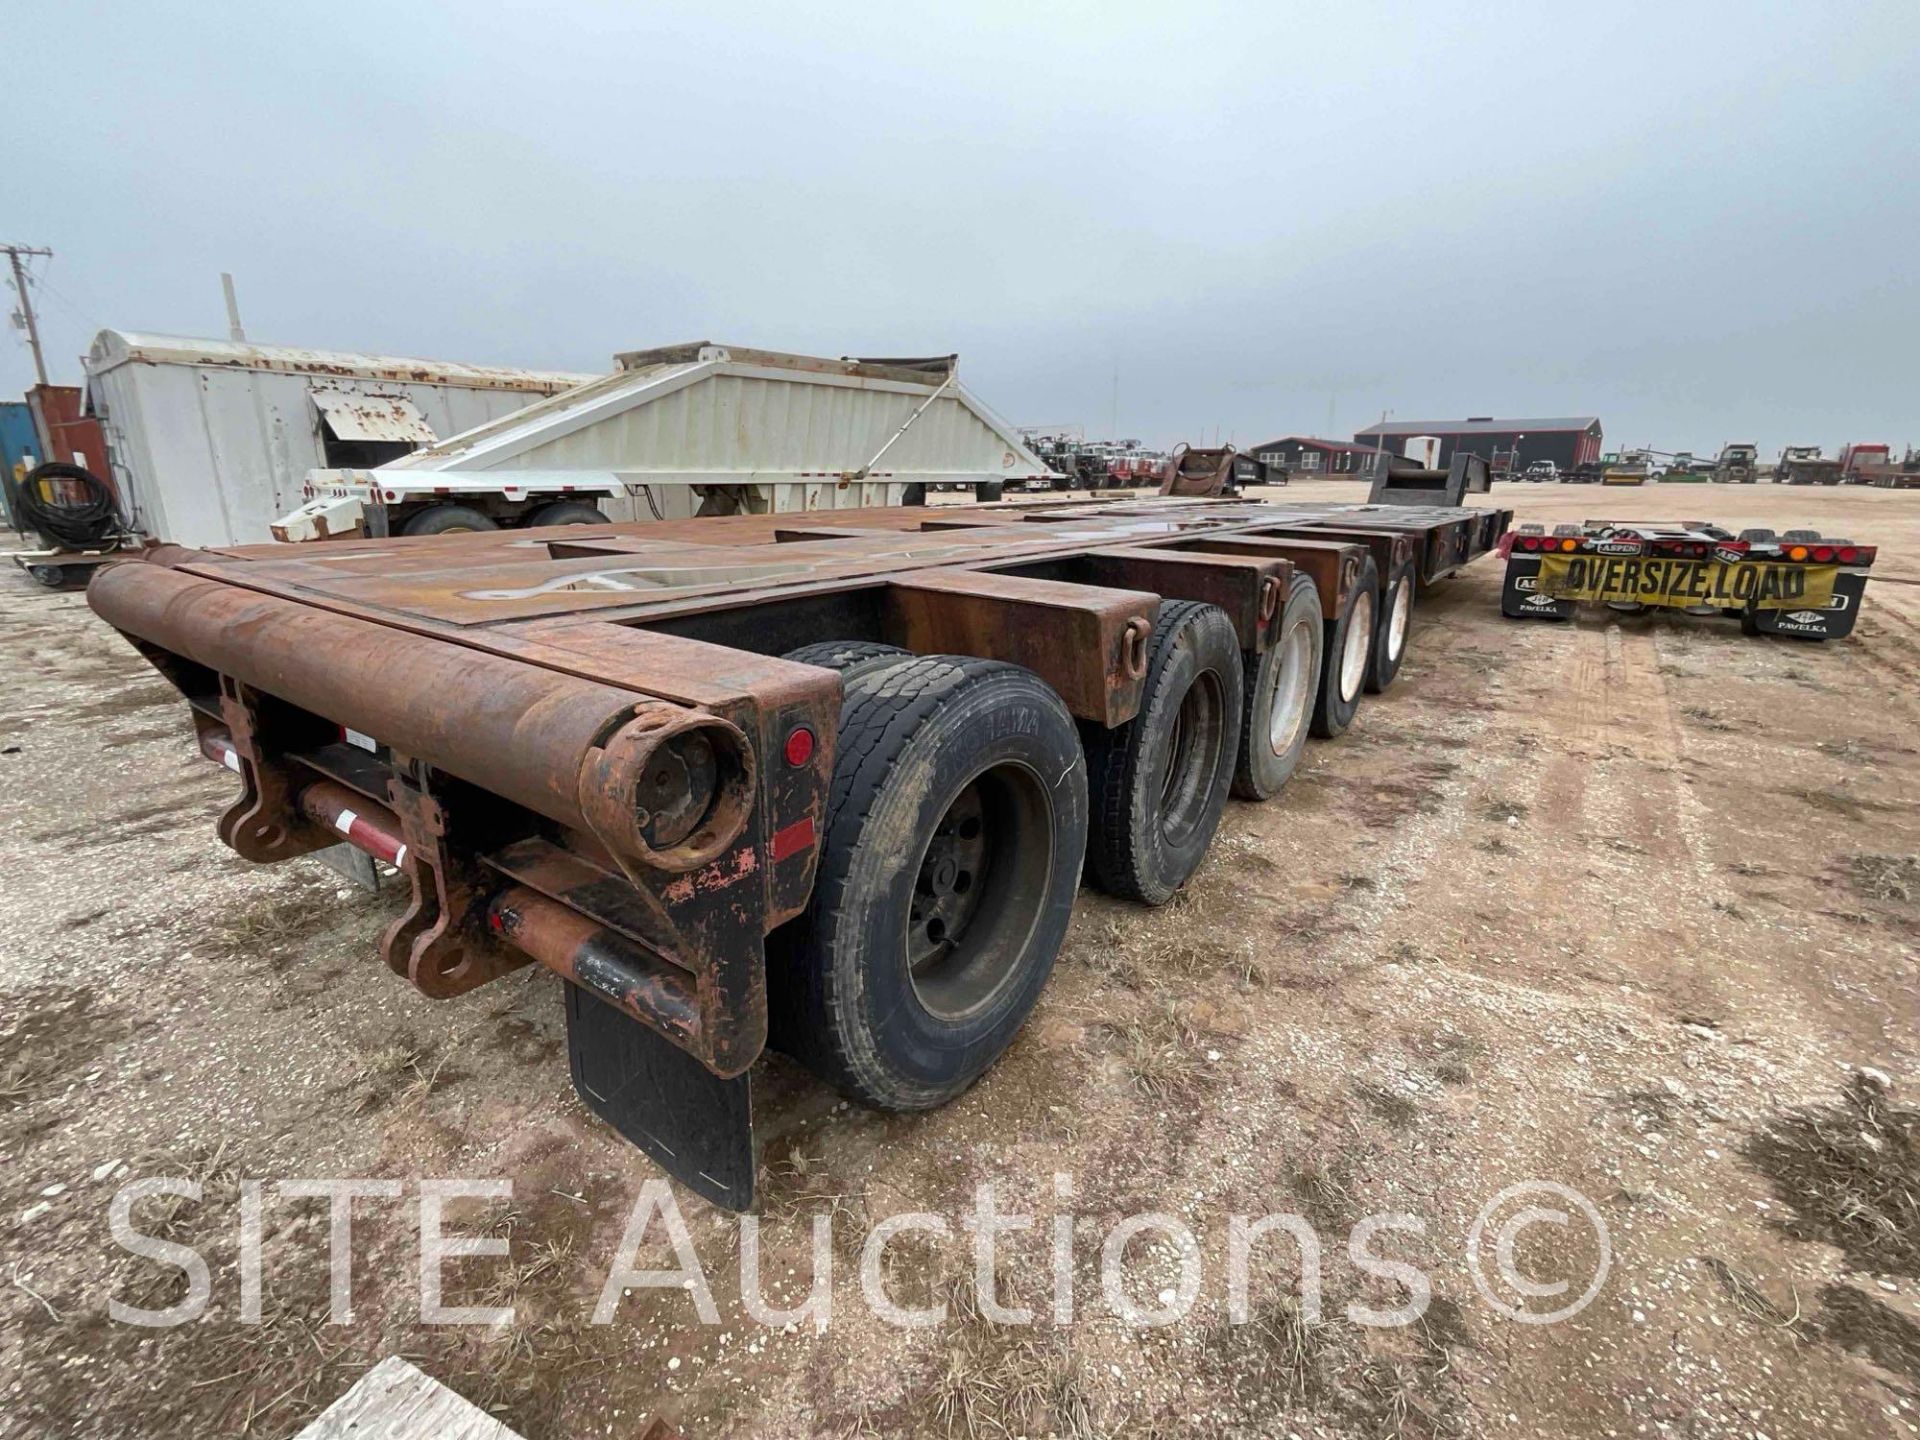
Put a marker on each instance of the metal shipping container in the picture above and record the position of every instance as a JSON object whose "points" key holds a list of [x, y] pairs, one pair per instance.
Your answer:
{"points": [[211, 440]]}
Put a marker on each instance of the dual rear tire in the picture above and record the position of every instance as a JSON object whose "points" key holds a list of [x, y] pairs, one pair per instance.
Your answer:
{"points": [[965, 805], [955, 832]]}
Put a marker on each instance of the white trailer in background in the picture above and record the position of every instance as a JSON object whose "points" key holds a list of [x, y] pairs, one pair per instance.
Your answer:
{"points": [[690, 429], [211, 441], [1424, 451]]}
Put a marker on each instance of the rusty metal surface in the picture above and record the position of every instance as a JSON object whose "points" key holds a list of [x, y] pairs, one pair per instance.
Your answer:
{"points": [[1088, 643], [353, 416], [579, 745], [1196, 474]]}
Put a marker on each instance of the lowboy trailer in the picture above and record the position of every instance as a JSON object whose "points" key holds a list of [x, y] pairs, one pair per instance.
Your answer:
{"points": [[1800, 583], [827, 782]]}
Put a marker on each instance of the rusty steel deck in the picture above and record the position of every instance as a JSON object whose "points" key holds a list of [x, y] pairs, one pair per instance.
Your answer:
{"points": [[580, 746]]}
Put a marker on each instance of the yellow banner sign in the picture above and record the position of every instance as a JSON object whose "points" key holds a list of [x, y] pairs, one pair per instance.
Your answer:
{"points": [[1652, 580]]}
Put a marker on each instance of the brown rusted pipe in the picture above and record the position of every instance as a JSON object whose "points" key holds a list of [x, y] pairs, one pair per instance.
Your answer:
{"points": [[600, 961], [362, 823], [523, 732]]}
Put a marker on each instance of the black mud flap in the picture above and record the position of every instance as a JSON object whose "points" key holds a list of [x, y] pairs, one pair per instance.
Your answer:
{"points": [[1519, 600], [1833, 621], [696, 1125]]}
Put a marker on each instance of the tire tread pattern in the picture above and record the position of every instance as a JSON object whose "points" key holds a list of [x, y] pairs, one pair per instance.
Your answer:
{"points": [[880, 715], [1113, 859]]}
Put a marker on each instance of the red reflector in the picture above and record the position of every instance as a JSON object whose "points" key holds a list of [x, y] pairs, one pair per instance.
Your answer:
{"points": [[799, 748], [1823, 552], [792, 839], [1848, 554]]}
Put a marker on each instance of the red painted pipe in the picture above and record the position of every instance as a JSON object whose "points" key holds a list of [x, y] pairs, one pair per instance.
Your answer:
{"points": [[362, 823]]}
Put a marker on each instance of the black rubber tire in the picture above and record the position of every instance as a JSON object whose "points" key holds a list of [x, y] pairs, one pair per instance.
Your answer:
{"points": [[1261, 770], [51, 576], [447, 520], [852, 658], [1340, 687], [912, 738], [1389, 649], [1140, 847], [914, 494], [989, 490], [567, 512]]}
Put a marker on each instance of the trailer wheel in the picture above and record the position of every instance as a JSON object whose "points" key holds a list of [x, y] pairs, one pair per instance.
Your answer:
{"points": [[1279, 691], [1390, 634], [1159, 782], [1348, 656], [51, 576], [568, 512], [955, 829], [989, 490], [852, 658], [447, 520]]}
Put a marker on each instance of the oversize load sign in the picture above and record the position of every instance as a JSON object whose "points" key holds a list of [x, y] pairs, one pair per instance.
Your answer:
{"points": [[1653, 581]]}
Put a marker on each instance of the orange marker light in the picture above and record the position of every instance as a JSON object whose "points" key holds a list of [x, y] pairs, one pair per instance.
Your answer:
{"points": [[1797, 552]]}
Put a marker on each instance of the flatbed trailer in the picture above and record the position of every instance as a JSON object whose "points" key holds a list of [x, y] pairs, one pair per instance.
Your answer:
{"points": [[1799, 583], [825, 781]]}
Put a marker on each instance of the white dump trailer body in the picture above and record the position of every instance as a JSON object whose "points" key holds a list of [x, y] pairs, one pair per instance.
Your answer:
{"points": [[1424, 451], [691, 429], [211, 441]]}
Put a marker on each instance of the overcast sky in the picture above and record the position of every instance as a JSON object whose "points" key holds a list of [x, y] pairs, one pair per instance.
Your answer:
{"points": [[1695, 220]]}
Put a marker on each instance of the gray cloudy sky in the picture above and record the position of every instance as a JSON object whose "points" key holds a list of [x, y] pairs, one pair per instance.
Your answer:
{"points": [[1696, 220]]}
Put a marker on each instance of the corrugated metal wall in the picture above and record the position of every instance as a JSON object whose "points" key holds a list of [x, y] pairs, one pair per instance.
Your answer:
{"points": [[212, 456], [747, 424]]}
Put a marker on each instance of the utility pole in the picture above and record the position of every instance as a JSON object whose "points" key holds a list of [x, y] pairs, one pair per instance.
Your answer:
{"points": [[15, 253]]}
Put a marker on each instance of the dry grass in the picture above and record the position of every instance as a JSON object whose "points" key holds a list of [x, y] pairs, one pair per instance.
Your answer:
{"points": [[1850, 1174], [1162, 1051], [1746, 1292], [1280, 1366], [398, 1072], [275, 926], [1885, 877], [1003, 1380], [1856, 1321]]}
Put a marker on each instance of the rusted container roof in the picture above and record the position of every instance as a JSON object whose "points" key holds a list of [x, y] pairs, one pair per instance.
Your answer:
{"points": [[112, 348]]}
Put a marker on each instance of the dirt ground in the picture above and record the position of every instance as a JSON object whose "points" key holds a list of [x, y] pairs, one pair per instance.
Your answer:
{"points": [[1623, 905]]}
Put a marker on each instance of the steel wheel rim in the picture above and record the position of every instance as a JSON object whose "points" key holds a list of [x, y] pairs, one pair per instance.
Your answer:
{"points": [[1398, 618], [1192, 757], [978, 891], [1287, 711], [1359, 642]]}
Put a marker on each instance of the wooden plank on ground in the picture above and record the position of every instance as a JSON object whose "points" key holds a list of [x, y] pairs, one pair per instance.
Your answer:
{"points": [[395, 1401]]}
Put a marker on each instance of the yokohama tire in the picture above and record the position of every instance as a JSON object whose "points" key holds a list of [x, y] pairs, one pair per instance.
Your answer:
{"points": [[1159, 782], [1349, 656], [895, 1008], [852, 658], [1279, 689], [1392, 629]]}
